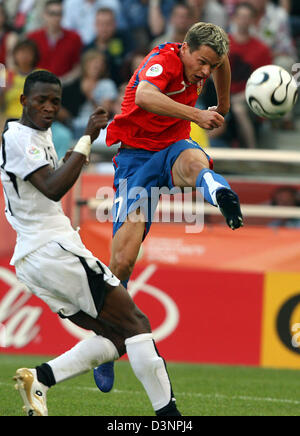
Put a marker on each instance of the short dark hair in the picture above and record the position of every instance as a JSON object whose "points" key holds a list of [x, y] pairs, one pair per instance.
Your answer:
{"points": [[28, 44], [107, 10], [41, 76]]}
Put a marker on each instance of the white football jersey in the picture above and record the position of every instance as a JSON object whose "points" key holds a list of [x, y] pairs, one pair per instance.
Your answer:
{"points": [[36, 219]]}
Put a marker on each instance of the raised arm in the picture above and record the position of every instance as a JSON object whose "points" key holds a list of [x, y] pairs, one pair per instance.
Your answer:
{"points": [[54, 184], [149, 98], [222, 81], [156, 19]]}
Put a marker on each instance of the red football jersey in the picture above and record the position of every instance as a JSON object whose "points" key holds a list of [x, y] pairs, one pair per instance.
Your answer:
{"points": [[142, 129]]}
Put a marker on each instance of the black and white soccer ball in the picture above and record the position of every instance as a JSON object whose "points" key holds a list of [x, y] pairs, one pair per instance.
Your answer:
{"points": [[271, 92]]}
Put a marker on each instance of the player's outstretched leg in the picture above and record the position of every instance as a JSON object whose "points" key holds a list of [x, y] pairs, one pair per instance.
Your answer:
{"points": [[191, 169], [125, 248], [217, 192]]}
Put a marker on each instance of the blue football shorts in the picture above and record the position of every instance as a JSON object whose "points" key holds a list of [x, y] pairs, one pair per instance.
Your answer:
{"points": [[139, 174]]}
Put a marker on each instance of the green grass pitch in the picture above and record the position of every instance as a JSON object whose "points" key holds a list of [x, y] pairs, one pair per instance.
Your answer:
{"points": [[201, 390]]}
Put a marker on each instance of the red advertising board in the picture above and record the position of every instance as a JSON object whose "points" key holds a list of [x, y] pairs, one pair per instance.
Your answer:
{"points": [[207, 316]]}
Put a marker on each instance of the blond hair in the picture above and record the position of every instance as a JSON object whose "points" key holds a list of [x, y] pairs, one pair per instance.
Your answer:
{"points": [[210, 35]]}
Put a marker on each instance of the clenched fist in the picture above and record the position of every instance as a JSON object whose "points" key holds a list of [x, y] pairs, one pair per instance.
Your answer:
{"points": [[98, 120]]}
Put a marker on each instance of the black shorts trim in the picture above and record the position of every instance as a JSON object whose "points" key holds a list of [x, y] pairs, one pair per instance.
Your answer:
{"points": [[96, 282]]}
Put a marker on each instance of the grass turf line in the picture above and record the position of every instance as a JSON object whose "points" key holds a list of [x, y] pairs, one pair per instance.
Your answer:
{"points": [[201, 390]]}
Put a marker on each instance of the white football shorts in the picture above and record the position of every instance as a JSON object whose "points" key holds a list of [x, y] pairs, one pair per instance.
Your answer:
{"points": [[67, 277]]}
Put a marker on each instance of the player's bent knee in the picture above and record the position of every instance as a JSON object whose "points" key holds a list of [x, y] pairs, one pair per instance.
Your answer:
{"points": [[191, 170], [189, 165]]}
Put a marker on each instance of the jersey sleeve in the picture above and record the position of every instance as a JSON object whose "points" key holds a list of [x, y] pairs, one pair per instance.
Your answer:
{"points": [[158, 71], [22, 156]]}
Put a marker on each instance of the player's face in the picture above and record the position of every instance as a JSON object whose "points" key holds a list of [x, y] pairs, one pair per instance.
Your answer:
{"points": [[42, 105], [200, 63]]}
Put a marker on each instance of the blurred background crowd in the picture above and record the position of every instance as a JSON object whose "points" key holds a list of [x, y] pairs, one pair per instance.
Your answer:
{"points": [[94, 46]]}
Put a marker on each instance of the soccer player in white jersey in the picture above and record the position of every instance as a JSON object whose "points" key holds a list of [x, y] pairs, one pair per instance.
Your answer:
{"points": [[54, 264]]}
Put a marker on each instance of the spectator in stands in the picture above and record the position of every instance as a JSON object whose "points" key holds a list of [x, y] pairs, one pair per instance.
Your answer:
{"points": [[113, 43], [25, 58], [131, 63], [60, 49], [93, 88], [35, 16], [230, 6], [272, 27], [20, 11], [286, 196], [201, 10], [79, 15], [210, 11], [147, 19], [292, 7], [246, 55], [180, 22], [8, 39]]}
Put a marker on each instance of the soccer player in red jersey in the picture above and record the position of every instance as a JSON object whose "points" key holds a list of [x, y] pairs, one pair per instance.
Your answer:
{"points": [[156, 149]]}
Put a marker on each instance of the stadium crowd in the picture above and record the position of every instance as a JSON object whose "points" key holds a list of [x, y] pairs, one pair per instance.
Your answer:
{"points": [[94, 46]]}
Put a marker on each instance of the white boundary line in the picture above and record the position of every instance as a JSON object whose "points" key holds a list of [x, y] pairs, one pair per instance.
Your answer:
{"points": [[216, 396]]}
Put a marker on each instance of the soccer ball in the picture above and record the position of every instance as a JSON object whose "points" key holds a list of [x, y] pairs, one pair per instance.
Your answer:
{"points": [[271, 92]]}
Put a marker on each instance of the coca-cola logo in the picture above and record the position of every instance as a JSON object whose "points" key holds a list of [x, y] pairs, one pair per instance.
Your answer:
{"points": [[18, 321]]}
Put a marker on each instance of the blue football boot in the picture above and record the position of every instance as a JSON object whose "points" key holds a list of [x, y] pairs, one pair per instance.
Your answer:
{"points": [[104, 377]]}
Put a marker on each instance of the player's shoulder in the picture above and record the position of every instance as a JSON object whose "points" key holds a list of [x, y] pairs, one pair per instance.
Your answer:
{"points": [[10, 129], [167, 51], [15, 130], [16, 136]]}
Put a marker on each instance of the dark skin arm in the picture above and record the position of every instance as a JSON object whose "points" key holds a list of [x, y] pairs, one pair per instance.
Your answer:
{"points": [[54, 184]]}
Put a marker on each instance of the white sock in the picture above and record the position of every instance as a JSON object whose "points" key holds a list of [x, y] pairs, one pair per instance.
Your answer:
{"points": [[150, 369], [85, 356]]}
